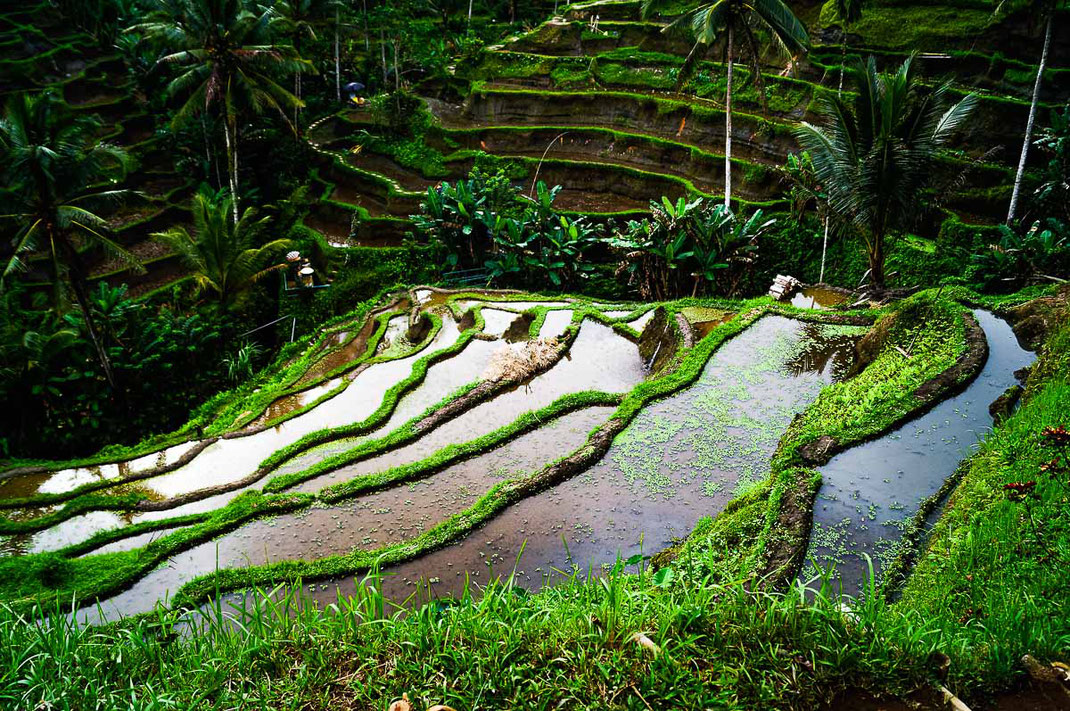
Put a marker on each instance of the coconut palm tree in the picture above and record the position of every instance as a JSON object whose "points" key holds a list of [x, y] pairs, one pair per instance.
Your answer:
{"points": [[1047, 8], [297, 19], [709, 21], [227, 61], [875, 158], [224, 256], [54, 168]]}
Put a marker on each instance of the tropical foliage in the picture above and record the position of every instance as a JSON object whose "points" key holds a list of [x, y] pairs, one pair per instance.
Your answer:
{"points": [[1024, 256], [742, 21], [1053, 194], [483, 223], [226, 259], [167, 362], [52, 162], [874, 155], [689, 248], [227, 62]]}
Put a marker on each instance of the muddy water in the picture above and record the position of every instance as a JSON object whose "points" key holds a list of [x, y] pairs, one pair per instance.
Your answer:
{"points": [[496, 321], [291, 403], [517, 306], [870, 492], [520, 329], [443, 378], [362, 524], [598, 360], [68, 479], [555, 323], [703, 320], [229, 460], [640, 323], [817, 297], [348, 351], [394, 342], [232, 459], [335, 229], [681, 458]]}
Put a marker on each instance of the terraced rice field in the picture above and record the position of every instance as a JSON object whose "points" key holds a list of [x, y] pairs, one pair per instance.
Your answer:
{"points": [[390, 442]]}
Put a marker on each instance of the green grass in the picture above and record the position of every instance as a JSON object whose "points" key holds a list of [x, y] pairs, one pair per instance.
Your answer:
{"points": [[923, 26], [932, 332], [571, 646], [720, 642], [988, 572]]}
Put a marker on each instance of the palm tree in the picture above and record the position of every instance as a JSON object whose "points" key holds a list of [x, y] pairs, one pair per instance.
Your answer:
{"points": [[710, 20], [1048, 9], [297, 19], [874, 159], [227, 61], [54, 167], [223, 255]]}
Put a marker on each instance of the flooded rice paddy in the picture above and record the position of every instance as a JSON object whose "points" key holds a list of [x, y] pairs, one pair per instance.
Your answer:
{"points": [[681, 458], [871, 492], [368, 522]]}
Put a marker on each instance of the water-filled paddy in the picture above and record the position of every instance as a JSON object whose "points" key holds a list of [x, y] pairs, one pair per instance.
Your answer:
{"points": [[682, 457], [870, 493], [367, 522], [228, 461]]}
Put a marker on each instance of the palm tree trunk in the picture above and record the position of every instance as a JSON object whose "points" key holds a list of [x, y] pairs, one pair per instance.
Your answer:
{"points": [[470, 13], [367, 41], [843, 60], [824, 249], [297, 93], [297, 90], [728, 126], [876, 263], [232, 160], [207, 151], [397, 73], [77, 281], [382, 55], [1012, 211], [337, 57]]}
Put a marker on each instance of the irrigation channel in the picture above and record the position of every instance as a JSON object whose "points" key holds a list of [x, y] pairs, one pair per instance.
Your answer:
{"points": [[682, 457]]}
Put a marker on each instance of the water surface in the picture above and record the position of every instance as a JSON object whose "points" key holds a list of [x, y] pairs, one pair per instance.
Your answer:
{"points": [[870, 492]]}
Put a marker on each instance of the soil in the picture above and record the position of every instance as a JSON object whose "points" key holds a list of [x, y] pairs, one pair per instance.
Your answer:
{"points": [[409, 179], [1027, 697], [144, 251]]}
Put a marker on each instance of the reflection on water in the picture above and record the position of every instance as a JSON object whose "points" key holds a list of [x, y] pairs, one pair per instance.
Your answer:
{"points": [[818, 297], [230, 460], [682, 458], [870, 492], [364, 523], [555, 323], [703, 320], [496, 321], [65, 480], [598, 360]]}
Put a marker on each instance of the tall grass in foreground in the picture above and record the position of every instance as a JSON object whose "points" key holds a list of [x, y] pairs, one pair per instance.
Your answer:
{"points": [[713, 645]]}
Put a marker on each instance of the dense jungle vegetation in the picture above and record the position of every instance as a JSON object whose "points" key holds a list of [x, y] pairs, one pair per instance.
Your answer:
{"points": [[219, 217]]}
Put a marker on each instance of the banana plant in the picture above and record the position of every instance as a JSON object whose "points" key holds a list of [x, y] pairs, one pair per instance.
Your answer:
{"points": [[692, 244]]}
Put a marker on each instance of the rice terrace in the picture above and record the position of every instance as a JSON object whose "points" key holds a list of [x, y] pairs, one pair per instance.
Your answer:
{"points": [[620, 354]]}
